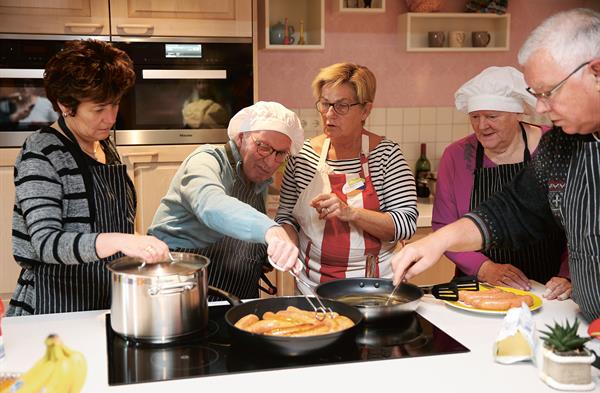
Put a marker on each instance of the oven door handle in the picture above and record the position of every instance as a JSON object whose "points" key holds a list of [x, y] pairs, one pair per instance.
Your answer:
{"points": [[184, 74], [21, 73]]}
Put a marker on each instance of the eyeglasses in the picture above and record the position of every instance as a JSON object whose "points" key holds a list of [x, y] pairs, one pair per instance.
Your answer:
{"points": [[341, 108], [264, 150], [548, 94]]}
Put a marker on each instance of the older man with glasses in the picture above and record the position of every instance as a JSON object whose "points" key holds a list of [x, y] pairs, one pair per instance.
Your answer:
{"points": [[349, 193], [561, 64], [215, 205]]}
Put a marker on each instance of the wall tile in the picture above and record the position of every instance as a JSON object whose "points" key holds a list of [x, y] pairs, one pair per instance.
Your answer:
{"points": [[439, 149], [460, 130], [379, 130], [444, 115], [411, 151], [427, 115], [443, 132], [394, 116], [411, 116], [377, 117], [427, 133], [411, 133], [394, 133], [459, 117]]}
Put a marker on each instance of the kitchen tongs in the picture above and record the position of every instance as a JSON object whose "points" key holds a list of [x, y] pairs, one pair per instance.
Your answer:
{"points": [[320, 312], [449, 291]]}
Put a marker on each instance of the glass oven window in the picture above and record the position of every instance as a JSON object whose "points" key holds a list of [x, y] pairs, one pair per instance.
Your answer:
{"points": [[23, 105]]}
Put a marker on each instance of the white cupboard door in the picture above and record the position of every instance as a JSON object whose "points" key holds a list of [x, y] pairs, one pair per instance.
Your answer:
{"points": [[67, 17], [190, 18]]}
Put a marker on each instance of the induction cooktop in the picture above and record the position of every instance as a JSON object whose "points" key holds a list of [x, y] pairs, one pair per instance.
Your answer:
{"points": [[213, 353]]}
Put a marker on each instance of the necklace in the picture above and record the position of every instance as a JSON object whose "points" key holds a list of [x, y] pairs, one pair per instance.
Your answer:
{"points": [[90, 153]]}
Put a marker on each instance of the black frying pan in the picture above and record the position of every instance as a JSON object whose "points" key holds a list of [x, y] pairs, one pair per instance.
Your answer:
{"points": [[289, 346], [369, 295]]}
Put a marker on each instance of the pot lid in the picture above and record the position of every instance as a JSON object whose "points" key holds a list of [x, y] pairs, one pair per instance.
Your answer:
{"points": [[182, 264]]}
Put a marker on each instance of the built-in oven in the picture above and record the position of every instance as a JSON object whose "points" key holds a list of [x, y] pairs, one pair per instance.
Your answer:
{"points": [[186, 91], [24, 107]]}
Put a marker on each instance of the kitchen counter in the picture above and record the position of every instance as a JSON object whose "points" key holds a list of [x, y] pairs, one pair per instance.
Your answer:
{"points": [[475, 370]]}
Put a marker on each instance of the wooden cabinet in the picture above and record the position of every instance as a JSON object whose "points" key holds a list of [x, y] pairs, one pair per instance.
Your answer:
{"points": [[70, 17], [9, 270], [195, 18], [417, 25], [151, 168], [309, 13]]}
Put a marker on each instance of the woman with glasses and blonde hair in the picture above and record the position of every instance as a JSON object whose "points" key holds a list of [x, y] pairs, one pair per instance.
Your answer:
{"points": [[215, 205], [561, 185], [349, 193], [477, 166]]}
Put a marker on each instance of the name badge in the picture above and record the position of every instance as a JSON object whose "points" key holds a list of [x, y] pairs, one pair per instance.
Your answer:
{"points": [[357, 183]]}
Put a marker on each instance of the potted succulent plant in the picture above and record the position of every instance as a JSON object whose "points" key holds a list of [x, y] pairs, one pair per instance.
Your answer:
{"points": [[565, 362]]}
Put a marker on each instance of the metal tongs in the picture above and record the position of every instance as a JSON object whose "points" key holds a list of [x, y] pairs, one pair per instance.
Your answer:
{"points": [[320, 312]]}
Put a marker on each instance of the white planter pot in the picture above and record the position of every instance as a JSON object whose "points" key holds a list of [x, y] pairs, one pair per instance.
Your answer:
{"points": [[567, 372]]}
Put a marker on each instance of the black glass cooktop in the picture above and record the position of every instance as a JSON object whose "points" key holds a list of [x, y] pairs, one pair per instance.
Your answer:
{"points": [[213, 354]]}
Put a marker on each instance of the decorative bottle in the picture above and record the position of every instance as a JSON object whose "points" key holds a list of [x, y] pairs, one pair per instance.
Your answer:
{"points": [[422, 170]]}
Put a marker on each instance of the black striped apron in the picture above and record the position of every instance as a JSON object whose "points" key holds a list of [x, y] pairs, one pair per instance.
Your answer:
{"points": [[86, 286], [540, 260], [580, 213], [236, 265]]}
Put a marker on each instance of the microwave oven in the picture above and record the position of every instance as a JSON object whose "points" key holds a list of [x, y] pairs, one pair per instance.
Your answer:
{"points": [[186, 90]]}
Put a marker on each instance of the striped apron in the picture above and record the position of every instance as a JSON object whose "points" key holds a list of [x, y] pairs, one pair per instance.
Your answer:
{"points": [[236, 266], [577, 203], [540, 260], [86, 286], [332, 248]]}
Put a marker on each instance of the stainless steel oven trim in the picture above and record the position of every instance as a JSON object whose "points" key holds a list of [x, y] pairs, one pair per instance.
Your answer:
{"points": [[184, 74], [171, 136], [21, 73]]}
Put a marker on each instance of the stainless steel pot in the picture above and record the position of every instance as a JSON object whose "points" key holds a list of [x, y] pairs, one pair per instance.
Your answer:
{"points": [[159, 302]]}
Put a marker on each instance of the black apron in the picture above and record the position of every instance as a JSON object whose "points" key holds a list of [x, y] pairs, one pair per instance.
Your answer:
{"points": [[577, 203], [540, 260], [86, 286], [236, 266]]}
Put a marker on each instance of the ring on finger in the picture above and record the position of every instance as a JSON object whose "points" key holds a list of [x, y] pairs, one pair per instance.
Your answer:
{"points": [[149, 249], [325, 210]]}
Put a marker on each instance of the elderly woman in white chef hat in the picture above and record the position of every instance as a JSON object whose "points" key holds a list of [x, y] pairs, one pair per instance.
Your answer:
{"points": [[215, 205], [477, 166]]}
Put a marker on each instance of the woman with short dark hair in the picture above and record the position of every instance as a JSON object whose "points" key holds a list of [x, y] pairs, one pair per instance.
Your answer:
{"points": [[74, 203]]}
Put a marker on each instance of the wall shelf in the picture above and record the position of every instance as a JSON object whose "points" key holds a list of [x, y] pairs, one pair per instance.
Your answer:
{"points": [[311, 12], [418, 24], [377, 7]]}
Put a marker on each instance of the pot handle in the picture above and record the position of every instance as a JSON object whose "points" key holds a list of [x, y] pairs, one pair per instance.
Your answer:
{"points": [[231, 298], [171, 289]]}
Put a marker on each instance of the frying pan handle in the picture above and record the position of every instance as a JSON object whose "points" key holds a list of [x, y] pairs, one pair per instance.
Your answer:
{"points": [[231, 298]]}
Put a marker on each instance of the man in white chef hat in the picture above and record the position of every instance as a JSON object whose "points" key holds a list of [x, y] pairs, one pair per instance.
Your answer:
{"points": [[480, 164], [215, 205]]}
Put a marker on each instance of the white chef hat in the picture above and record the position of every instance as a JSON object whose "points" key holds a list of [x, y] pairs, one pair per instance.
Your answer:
{"points": [[494, 89], [268, 116]]}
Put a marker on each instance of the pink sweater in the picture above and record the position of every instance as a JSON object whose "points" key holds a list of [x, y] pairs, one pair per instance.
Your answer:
{"points": [[453, 197]]}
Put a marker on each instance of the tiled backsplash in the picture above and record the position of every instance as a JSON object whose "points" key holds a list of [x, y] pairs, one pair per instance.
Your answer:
{"points": [[409, 127]]}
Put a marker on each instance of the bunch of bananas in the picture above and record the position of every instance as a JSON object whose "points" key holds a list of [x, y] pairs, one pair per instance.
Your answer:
{"points": [[60, 370]]}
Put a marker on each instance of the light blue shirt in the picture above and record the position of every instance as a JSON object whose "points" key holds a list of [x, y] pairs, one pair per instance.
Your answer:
{"points": [[198, 209]]}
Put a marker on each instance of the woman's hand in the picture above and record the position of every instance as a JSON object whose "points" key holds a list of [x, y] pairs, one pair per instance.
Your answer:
{"points": [[329, 205], [281, 249], [148, 248], [503, 274], [558, 288]]}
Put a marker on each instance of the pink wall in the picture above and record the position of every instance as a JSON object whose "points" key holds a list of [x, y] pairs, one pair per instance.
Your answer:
{"points": [[405, 79]]}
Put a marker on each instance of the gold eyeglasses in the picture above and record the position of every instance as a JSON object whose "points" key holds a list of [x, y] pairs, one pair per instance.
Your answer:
{"points": [[546, 95], [265, 150]]}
